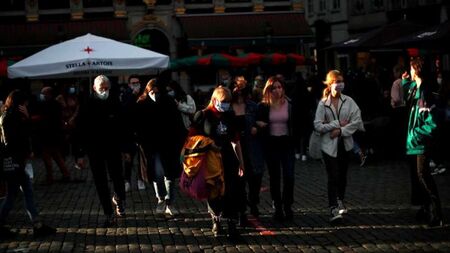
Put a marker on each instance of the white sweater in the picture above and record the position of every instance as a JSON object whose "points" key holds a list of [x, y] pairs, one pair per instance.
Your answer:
{"points": [[327, 118]]}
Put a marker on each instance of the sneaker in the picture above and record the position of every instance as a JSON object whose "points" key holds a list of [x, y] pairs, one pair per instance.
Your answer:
{"points": [[216, 228], [171, 210], [363, 158], [110, 221], [341, 207], [304, 158], [120, 206], [6, 233], [297, 156], [127, 186], [41, 229], [432, 164], [438, 170], [160, 207], [141, 185], [335, 215]]}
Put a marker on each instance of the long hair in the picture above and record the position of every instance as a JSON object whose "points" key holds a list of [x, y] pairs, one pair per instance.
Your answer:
{"points": [[150, 85], [267, 91], [332, 76], [14, 99], [219, 93], [180, 94]]}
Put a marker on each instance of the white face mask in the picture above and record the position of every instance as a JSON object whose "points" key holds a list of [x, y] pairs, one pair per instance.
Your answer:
{"points": [[136, 88], [171, 93], [338, 86], [103, 95], [222, 106], [439, 80], [42, 97]]}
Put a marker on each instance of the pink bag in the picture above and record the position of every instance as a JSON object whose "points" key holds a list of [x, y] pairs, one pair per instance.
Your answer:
{"points": [[195, 186]]}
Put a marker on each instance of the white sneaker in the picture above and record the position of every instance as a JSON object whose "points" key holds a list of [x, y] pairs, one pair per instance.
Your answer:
{"points": [[171, 210], [341, 207], [297, 156], [127, 186], [335, 215], [160, 207], [432, 164], [304, 158], [141, 185]]}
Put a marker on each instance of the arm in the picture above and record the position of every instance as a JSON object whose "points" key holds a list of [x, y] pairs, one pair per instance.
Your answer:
{"points": [[238, 150], [319, 121], [354, 120], [188, 107]]}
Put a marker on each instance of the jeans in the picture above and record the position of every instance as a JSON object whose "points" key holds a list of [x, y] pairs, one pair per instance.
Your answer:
{"points": [[280, 154], [164, 187], [16, 180], [337, 174]]}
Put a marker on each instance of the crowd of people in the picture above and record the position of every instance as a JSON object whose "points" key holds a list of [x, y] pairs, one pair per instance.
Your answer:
{"points": [[265, 124]]}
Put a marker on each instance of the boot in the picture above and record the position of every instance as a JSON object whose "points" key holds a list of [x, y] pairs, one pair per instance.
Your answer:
{"points": [[232, 232], [216, 228]]}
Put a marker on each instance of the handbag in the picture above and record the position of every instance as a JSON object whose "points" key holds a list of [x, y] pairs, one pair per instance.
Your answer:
{"points": [[315, 150], [195, 186]]}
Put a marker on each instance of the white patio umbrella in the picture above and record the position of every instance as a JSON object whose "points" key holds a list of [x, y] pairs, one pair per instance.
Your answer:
{"points": [[87, 56]]}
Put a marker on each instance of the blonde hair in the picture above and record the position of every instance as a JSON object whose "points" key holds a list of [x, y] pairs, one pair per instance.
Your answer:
{"points": [[332, 76], [266, 94], [220, 93]]}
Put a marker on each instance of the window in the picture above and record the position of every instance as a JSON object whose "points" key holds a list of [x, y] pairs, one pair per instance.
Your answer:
{"points": [[322, 6], [336, 4], [311, 6], [12, 5], [358, 7]]}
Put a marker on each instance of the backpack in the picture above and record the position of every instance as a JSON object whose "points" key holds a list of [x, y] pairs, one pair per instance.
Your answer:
{"points": [[202, 175]]}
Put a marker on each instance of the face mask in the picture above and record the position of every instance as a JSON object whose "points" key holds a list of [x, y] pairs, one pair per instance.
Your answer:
{"points": [[103, 95], [338, 86], [439, 80], [72, 90], [41, 97], [171, 93], [222, 106], [136, 88]]}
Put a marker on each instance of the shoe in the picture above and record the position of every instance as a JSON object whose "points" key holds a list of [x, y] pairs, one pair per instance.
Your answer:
{"points": [[120, 206], [288, 213], [160, 207], [438, 170], [141, 185], [304, 158], [363, 159], [6, 233], [421, 215], [216, 227], [435, 223], [341, 207], [171, 210], [335, 215], [432, 164], [41, 229], [243, 221], [278, 215], [110, 221], [254, 211], [297, 156], [232, 231], [127, 186]]}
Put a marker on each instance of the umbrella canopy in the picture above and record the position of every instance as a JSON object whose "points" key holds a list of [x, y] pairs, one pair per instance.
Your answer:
{"points": [[378, 38], [433, 37], [89, 55]]}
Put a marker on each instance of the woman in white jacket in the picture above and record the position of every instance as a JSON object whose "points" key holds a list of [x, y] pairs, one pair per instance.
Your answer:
{"points": [[185, 103], [337, 118]]}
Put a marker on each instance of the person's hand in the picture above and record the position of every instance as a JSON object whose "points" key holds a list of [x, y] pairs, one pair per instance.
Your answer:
{"points": [[126, 157], [241, 171], [81, 163], [23, 109], [405, 75], [254, 131], [343, 123], [335, 133], [261, 124]]}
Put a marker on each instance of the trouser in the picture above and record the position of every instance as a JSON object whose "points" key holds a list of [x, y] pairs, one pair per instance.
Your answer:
{"points": [[164, 186], [103, 163], [227, 206], [50, 153], [280, 155], [423, 188], [128, 167], [18, 180], [337, 174]]}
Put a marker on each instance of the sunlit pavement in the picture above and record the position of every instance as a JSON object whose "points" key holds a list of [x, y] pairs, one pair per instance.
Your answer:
{"points": [[380, 218]]}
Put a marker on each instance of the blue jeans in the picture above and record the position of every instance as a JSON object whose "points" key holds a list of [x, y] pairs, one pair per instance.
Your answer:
{"points": [[18, 180], [164, 187]]}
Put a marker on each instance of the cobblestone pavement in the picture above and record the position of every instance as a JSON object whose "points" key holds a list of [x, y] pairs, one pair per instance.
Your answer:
{"points": [[380, 218]]}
